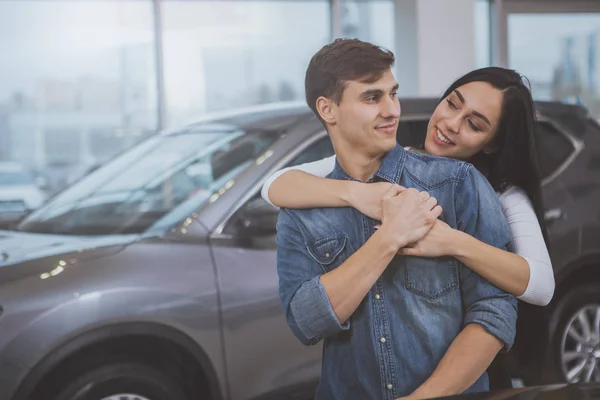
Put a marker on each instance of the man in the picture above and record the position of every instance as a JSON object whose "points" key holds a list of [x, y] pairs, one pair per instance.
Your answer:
{"points": [[392, 326]]}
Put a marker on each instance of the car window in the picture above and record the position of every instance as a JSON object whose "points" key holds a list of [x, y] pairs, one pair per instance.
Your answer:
{"points": [[323, 148], [143, 185], [412, 132], [317, 151], [553, 148]]}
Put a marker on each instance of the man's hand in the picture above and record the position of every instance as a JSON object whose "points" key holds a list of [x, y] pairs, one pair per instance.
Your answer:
{"points": [[367, 197], [435, 243], [407, 214]]}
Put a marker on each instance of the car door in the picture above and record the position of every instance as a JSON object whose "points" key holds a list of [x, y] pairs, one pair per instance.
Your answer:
{"points": [[557, 149], [262, 355]]}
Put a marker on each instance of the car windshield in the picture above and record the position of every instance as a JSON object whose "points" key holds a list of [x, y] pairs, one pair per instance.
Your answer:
{"points": [[144, 184], [11, 178]]}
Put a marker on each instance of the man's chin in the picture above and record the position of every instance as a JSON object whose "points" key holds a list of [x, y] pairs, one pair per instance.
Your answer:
{"points": [[387, 147]]}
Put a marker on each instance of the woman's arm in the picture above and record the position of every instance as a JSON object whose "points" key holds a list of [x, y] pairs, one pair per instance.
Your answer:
{"points": [[528, 242], [304, 186], [525, 272]]}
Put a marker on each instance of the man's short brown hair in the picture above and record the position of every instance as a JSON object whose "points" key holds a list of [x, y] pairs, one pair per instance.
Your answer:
{"points": [[339, 62]]}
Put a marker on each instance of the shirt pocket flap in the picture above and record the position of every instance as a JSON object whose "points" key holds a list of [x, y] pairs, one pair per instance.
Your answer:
{"points": [[325, 251]]}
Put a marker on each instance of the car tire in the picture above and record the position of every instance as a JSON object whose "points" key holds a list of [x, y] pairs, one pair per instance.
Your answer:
{"points": [[123, 381], [569, 345]]}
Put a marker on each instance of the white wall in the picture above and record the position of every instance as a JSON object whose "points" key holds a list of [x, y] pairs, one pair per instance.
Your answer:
{"points": [[435, 44]]}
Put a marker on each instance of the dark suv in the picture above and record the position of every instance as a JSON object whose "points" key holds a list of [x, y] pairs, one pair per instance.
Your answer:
{"points": [[154, 276]]}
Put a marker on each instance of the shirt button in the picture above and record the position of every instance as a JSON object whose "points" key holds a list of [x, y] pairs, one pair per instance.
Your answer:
{"points": [[377, 297], [327, 255], [382, 340], [389, 386]]}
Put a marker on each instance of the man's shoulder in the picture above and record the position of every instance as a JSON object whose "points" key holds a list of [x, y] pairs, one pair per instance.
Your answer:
{"points": [[431, 171]]}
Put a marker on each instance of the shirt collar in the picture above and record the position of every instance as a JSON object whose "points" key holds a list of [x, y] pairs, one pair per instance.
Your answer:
{"points": [[390, 169]]}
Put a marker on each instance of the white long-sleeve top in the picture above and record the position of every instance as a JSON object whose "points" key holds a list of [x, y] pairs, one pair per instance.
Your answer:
{"points": [[527, 239]]}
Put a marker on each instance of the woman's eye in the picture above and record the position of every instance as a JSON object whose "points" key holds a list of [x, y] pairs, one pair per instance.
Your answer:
{"points": [[474, 127], [451, 104]]}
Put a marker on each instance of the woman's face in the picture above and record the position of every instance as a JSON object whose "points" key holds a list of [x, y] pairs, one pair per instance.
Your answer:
{"points": [[465, 122]]}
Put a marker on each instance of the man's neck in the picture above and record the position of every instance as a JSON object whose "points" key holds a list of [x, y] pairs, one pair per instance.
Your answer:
{"points": [[358, 165]]}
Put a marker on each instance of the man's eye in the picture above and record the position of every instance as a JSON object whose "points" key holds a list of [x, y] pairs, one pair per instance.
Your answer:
{"points": [[371, 98], [394, 95]]}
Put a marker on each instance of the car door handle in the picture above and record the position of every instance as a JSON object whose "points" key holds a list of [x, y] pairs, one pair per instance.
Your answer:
{"points": [[553, 214]]}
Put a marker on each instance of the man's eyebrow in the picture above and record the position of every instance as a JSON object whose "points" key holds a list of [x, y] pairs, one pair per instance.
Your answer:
{"points": [[370, 92], [475, 113]]}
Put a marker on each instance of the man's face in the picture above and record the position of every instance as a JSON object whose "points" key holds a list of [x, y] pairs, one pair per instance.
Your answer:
{"points": [[366, 120]]}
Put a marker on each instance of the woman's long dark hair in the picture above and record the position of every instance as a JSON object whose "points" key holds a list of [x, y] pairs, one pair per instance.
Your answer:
{"points": [[515, 160]]}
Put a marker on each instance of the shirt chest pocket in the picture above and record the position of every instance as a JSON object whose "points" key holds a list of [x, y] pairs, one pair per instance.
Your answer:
{"points": [[431, 278], [330, 252]]}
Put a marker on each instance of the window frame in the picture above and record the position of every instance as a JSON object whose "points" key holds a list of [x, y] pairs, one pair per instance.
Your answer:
{"points": [[577, 144], [502, 9]]}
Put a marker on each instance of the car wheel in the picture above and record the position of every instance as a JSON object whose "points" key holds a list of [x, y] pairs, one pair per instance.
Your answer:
{"points": [[123, 381], [575, 343]]}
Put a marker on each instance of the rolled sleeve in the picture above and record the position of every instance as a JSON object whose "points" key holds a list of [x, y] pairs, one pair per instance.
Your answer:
{"points": [[305, 302], [488, 306], [313, 313], [480, 215]]}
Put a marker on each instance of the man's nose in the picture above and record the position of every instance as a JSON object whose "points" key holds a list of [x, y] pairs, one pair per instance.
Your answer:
{"points": [[391, 108]]}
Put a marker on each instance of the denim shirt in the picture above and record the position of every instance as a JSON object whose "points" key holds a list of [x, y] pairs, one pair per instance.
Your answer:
{"points": [[405, 324]]}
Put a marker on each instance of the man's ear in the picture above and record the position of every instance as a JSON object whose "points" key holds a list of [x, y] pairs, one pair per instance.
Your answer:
{"points": [[325, 108]]}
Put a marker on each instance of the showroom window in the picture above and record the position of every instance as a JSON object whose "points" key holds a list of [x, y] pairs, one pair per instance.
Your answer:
{"points": [[372, 21], [71, 71], [482, 35], [229, 54], [559, 54]]}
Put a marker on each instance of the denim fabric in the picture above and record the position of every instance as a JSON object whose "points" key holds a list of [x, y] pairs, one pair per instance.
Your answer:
{"points": [[404, 326]]}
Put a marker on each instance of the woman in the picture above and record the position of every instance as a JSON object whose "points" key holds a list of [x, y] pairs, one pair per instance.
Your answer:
{"points": [[486, 117]]}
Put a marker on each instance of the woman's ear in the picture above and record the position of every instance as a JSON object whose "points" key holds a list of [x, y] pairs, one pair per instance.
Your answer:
{"points": [[326, 109], [490, 148]]}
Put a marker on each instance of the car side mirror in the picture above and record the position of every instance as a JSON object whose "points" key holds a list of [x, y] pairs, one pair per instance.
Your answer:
{"points": [[258, 218]]}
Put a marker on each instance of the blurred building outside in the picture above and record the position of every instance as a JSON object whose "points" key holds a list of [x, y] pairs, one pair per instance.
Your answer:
{"points": [[74, 94]]}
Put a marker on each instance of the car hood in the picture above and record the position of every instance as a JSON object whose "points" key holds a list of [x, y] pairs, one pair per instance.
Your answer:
{"points": [[18, 247]]}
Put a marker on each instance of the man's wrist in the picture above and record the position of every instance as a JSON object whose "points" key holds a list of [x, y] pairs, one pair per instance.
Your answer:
{"points": [[392, 239]]}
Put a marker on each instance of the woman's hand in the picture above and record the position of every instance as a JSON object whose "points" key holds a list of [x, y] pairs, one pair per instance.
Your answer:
{"points": [[366, 198], [436, 243]]}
